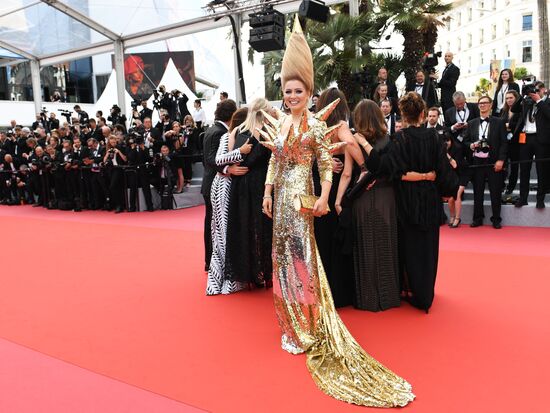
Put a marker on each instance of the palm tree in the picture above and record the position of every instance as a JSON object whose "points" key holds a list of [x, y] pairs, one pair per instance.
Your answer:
{"points": [[544, 43], [334, 46], [418, 21]]}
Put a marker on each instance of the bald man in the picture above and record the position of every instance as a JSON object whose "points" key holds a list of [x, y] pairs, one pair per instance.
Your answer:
{"points": [[447, 84]]}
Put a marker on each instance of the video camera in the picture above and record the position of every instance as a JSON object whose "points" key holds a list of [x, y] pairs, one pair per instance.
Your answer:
{"points": [[66, 113], [430, 62], [528, 87]]}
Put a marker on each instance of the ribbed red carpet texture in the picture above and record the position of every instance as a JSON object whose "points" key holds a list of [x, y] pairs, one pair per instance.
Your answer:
{"points": [[114, 306]]}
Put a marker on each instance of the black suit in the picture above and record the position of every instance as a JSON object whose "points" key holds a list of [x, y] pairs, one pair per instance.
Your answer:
{"points": [[447, 84], [482, 167], [138, 157], [537, 145], [428, 93], [450, 118], [391, 127], [212, 138]]}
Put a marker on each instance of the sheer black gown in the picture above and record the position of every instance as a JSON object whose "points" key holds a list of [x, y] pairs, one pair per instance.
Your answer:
{"points": [[249, 231], [418, 206], [331, 239]]}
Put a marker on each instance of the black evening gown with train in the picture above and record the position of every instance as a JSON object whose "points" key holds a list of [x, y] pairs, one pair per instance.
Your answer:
{"points": [[249, 231], [418, 205], [336, 258], [375, 247]]}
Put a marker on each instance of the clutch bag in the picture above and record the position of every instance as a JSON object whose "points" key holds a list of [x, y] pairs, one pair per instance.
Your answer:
{"points": [[305, 203]]}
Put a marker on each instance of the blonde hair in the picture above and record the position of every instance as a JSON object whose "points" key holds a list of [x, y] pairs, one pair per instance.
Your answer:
{"points": [[297, 60], [255, 118]]}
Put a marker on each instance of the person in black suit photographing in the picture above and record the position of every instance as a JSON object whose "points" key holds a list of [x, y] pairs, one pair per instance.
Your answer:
{"points": [[486, 137], [505, 84], [424, 89], [534, 140], [458, 116], [212, 137], [447, 84]]}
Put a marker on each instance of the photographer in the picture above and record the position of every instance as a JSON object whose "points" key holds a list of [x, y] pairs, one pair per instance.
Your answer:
{"points": [[424, 89], [150, 135], [93, 160], [8, 169], [164, 124], [53, 122], [117, 118], [21, 148], [534, 140], [139, 157], [487, 139], [164, 177], [448, 81], [82, 115], [113, 159], [41, 121], [174, 139], [41, 164], [83, 178]]}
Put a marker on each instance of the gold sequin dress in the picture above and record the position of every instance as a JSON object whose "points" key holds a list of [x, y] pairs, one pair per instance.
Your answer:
{"points": [[303, 302]]}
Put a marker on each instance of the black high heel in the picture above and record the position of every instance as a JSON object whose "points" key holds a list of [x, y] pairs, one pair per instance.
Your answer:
{"points": [[456, 225]]}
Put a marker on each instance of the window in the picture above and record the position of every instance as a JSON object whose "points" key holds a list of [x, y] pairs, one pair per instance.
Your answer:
{"points": [[459, 45], [469, 64], [459, 19], [481, 60], [494, 31], [507, 51], [494, 5], [494, 54], [527, 51], [507, 26], [469, 14], [448, 46], [527, 23], [481, 35], [469, 40]]}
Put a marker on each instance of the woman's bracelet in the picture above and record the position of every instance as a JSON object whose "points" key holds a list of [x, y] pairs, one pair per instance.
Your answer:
{"points": [[267, 197]]}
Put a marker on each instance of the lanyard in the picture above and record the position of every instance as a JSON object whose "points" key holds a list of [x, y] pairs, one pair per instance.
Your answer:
{"points": [[463, 117], [484, 130]]}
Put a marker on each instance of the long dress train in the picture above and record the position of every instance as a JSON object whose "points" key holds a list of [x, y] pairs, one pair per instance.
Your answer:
{"points": [[303, 301]]}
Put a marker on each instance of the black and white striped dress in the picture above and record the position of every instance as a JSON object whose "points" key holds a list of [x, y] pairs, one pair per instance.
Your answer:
{"points": [[221, 186]]}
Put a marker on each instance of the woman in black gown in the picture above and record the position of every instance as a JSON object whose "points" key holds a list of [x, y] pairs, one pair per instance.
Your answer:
{"points": [[249, 231], [331, 234], [419, 149]]}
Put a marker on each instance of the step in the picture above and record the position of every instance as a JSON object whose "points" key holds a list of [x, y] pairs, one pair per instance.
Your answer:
{"points": [[527, 216]]}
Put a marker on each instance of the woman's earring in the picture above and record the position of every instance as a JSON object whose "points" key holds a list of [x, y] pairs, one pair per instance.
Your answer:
{"points": [[285, 106]]}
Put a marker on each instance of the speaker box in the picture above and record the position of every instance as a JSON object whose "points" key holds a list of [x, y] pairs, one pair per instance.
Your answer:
{"points": [[267, 18], [264, 30], [315, 10], [267, 42]]}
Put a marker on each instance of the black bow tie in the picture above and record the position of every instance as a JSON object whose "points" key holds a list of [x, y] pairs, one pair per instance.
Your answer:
{"points": [[388, 117], [420, 85], [485, 120]]}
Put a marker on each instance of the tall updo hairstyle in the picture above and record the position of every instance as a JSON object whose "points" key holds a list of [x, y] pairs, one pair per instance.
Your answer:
{"points": [[412, 107]]}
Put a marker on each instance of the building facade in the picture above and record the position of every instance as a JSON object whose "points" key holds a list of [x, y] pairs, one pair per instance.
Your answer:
{"points": [[479, 32]]}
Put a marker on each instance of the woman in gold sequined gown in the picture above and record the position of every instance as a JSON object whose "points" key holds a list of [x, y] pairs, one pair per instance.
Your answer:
{"points": [[303, 302]]}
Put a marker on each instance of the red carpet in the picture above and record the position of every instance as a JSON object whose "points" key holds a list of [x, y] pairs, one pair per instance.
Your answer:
{"points": [[123, 296]]}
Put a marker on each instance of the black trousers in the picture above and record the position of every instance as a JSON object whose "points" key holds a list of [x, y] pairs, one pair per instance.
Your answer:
{"points": [[98, 190], [139, 178], [513, 156], [116, 188], [418, 259], [532, 148], [207, 230], [481, 175]]}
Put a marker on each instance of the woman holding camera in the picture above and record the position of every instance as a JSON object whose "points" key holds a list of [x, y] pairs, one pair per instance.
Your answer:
{"points": [[187, 143], [174, 139], [113, 159]]}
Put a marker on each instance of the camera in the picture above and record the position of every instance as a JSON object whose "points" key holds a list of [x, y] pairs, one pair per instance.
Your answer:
{"points": [[482, 146], [66, 113], [528, 87], [430, 61]]}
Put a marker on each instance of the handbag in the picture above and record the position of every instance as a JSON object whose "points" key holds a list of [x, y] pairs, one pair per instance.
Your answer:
{"points": [[305, 203]]}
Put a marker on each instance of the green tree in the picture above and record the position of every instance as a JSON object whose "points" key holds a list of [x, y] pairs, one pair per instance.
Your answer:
{"points": [[418, 22], [520, 72], [544, 43], [483, 87]]}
